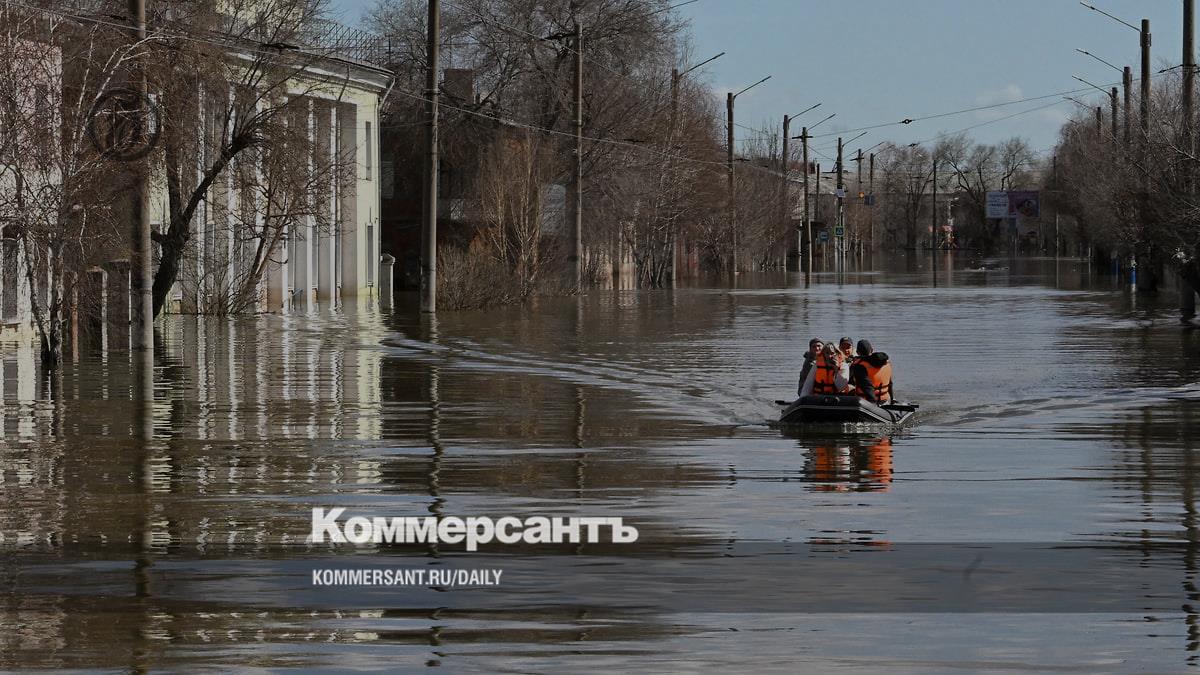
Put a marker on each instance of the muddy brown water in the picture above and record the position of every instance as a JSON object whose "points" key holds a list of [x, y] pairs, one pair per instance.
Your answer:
{"points": [[1040, 514]]}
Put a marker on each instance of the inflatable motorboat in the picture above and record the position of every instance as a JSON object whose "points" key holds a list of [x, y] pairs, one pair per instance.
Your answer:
{"points": [[843, 409]]}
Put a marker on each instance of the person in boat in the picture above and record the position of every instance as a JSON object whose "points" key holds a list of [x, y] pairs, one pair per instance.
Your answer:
{"points": [[871, 375], [846, 345], [804, 388], [830, 371]]}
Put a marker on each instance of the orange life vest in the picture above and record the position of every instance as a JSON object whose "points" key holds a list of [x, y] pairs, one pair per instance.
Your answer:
{"points": [[823, 378], [880, 380]]}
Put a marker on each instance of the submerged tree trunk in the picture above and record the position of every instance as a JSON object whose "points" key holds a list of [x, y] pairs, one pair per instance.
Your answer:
{"points": [[174, 243], [49, 318]]}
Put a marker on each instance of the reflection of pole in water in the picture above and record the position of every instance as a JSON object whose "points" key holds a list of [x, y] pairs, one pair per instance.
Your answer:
{"points": [[143, 473], [429, 322], [581, 458], [1189, 522]]}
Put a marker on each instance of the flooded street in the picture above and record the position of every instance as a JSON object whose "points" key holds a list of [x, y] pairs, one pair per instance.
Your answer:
{"points": [[1056, 408]]}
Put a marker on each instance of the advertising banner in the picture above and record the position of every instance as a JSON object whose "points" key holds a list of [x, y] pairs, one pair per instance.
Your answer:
{"points": [[1013, 204], [997, 204]]}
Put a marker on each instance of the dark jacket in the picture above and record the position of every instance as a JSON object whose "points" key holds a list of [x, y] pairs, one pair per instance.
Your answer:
{"points": [[809, 359], [858, 373]]}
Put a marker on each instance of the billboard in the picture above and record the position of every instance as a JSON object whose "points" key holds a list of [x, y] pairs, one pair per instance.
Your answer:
{"points": [[1013, 204]]}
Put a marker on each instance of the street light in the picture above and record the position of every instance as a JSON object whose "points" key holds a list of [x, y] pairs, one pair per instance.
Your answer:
{"points": [[784, 158], [702, 63], [1087, 53], [676, 78], [787, 121], [807, 226], [1126, 84], [729, 99], [1097, 88], [808, 109], [1112, 100], [1120, 21], [1077, 102], [1144, 33], [831, 116], [854, 139]]}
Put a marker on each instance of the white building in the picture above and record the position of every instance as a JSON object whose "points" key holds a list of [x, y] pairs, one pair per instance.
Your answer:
{"points": [[327, 258]]}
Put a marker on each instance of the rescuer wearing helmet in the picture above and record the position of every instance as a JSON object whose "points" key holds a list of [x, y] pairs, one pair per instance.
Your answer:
{"points": [[871, 375]]}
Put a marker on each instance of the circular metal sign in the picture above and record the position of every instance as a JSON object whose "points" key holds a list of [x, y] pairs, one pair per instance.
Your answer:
{"points": [[124, 124]]}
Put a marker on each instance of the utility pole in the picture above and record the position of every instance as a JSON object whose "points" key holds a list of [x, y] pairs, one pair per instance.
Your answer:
{"points": [[1187, 294], [817, 210], [871, 206], [676, 78], [674, 120], [576, 252], [817, 200], [807, 234], [729, 178], [1056, 206], [1145, 197], [783, 169], [858, 211], [729, 141], [1145, 82], [1099, 122], [934, 209], [1127, 82], [1114, 115], [430, 182], [141, 270], [934, 235], [1189, 74], [841, 203]]}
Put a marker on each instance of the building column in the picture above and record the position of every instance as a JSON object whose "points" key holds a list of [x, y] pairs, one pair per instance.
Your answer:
{"points": [[305, 270], [353, 237], [279, 281], [232, 270], [327, 244]]}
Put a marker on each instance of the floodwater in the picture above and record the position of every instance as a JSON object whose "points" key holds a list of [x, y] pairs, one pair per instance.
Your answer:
{"points": [[1057, 416]]}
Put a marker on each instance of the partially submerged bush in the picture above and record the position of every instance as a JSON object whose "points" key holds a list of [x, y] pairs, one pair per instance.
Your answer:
{"points": [[468, 280]]}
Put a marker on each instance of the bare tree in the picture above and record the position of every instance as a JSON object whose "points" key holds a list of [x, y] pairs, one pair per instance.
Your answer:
{"points": [[57, 192], [239, 89], [907, 173], [512, 204], [980, 168], [520, 57]]}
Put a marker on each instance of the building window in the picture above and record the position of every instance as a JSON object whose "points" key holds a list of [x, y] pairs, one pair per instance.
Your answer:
{"points": [[9, 276], [367, 152], [372, 259]]}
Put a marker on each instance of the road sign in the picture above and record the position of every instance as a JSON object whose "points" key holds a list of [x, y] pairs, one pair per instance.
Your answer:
{"points": [[824, 236], [841, 192], [839, 231]]}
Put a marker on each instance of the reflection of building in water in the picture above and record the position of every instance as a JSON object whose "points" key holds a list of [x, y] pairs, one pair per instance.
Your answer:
{"points": [[246, 410], [850, 466]]}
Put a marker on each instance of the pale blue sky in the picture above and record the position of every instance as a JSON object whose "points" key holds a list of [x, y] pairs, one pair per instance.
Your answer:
{"points": [[875, 61]]}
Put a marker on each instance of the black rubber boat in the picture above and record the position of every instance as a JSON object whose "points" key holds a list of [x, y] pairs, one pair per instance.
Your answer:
{"points": [[843, 409]]}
